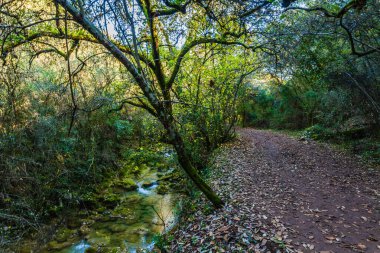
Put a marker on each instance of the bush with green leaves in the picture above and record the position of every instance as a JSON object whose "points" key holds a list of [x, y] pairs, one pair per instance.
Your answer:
{"points": [[317, 132], [50, 160]]}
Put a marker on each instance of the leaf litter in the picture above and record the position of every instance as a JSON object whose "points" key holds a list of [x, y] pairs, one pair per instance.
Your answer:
{"points": [[285, 195]]}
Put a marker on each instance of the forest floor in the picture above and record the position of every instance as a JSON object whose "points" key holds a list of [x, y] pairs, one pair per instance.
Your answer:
{"points": [[286, 195]]}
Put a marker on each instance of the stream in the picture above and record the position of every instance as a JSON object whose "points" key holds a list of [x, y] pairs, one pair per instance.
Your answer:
{"points": [[129, 227]]}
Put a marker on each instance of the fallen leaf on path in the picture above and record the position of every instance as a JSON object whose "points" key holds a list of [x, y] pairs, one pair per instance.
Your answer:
{"points": [[361, 246]]}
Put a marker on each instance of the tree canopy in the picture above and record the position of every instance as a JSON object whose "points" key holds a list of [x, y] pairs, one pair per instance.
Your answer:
{"points": [[96, 76]]}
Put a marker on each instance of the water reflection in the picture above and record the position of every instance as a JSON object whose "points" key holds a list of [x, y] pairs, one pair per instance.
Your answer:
{"points": [[77, 248], [131, 226]]}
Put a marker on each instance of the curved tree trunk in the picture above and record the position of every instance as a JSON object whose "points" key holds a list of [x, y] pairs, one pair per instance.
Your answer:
{"points": [[162, 112], [191, 171]]}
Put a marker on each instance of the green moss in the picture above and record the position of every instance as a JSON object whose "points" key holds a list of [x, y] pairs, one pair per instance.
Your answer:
{"points": [[171, 177], [127, 184], [90, 200], [73, 222], [91, 250], [101, 209], [135, 170], [160, 166], [110, 200], [163, 189], [99, 238], [147, 184], [117, 227], [318, 132], [63, 235], [25, 249], [54, 245], [84, 230]]}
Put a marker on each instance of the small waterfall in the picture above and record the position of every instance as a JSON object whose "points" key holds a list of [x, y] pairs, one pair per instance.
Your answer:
{"points": [[146, 191], [79, 247]]}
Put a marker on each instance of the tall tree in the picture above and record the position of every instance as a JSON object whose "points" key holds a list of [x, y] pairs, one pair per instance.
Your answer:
{"points": [[149, 38]]}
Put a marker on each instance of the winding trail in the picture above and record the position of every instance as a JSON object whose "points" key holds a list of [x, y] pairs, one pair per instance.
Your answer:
{"points": [[301, 194]]}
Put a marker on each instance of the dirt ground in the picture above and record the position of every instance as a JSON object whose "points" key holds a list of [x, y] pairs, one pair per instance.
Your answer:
{"points": [[286, 195]]}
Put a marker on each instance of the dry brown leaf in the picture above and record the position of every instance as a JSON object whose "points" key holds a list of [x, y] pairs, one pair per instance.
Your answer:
{"points": [[222, 229]]}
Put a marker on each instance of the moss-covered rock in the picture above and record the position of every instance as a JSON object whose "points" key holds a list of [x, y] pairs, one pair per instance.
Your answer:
{"points": [[135, 170], [130, 215], [169, 177], [139, 231], [163, 189], [54, 245], [148, 183], [63, 235], [160, 166], [108, 218], [101, 209], [127, 184], [25, 249], [91, 250], [84, 230], [89, 200], [165, 177], [110, 200], [73, 222], [82, 213], [133, 199], [99, 239], [117, 227]]}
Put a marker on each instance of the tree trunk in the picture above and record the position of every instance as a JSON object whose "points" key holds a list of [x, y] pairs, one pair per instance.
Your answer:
{"points": [[164, 114], [191, 171], [198, 181]]}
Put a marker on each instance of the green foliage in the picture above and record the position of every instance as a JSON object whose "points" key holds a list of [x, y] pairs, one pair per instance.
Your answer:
{"points": [[275, 107], [145, 156], [59, 139], [317, 132], [369, 150], [123, 128], [325, 86], [44, 169], [211, 96], [162, 241]]}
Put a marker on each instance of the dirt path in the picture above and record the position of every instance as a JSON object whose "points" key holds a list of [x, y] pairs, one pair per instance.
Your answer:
{"points": [[302, 195]]}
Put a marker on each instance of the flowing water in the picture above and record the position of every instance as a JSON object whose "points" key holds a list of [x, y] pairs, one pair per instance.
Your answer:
{"points": [[131, 226]]}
